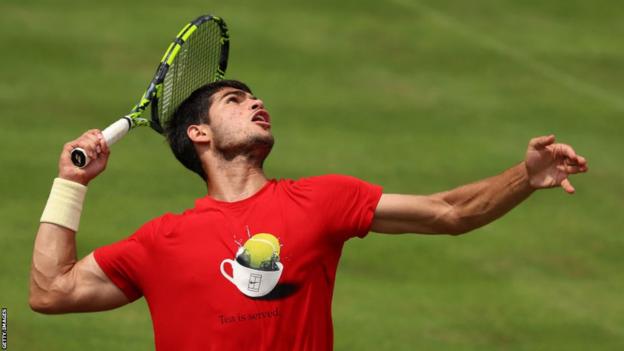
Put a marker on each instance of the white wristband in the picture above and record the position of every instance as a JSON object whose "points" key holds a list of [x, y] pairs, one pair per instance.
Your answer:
{"points": [[64, 204]]}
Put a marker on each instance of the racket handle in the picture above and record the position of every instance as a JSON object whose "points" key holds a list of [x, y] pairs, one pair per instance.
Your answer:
{"points": [[112, 134]]}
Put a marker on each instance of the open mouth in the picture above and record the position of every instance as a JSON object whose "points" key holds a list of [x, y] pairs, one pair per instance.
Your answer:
{"points": [[262, 118]]}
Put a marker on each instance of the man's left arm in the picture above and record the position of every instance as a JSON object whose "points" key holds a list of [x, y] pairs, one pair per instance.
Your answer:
{"points": [[468, 207]]}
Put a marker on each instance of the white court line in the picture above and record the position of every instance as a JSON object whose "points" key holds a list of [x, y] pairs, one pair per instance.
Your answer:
{"points": [[551, 72]]}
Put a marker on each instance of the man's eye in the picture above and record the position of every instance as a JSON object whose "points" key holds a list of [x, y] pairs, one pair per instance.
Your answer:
{"points": [[232, 99]]}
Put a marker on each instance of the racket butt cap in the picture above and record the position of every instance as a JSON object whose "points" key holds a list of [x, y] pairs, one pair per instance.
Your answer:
{"points": [[79, 157]]}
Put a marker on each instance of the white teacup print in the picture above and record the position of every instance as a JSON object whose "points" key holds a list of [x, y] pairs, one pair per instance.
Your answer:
{"points": [[252, 282]]}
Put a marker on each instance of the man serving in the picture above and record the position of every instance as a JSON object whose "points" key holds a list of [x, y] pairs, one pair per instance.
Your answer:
{"points": [[253, 264]]}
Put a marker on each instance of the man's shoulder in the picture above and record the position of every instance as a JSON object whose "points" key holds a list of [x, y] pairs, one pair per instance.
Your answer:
{"points": [[321, 184], [325, 179], [159, 224]]}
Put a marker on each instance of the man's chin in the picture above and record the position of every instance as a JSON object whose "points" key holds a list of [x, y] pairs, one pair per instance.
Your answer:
{"points": [[264, 142], [255, 147]]}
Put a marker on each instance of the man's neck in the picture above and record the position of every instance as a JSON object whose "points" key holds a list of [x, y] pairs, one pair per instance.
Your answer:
{"points": [[234, 180]]}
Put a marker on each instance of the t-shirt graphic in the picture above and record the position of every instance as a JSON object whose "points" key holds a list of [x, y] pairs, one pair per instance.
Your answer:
{"points": [[256, 269]]}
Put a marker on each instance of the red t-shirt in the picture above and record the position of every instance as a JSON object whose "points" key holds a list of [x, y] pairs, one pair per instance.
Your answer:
{"points": [[176, 262]]}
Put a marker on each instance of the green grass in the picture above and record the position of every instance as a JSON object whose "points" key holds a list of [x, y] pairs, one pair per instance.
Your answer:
{"points": [[418, 96]]}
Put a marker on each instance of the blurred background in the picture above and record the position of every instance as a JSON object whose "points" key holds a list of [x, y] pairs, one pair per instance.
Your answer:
{"points": [[418, 96]]}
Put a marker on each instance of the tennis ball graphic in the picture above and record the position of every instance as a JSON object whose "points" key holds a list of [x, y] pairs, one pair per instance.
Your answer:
{"points": [[261, 251]]}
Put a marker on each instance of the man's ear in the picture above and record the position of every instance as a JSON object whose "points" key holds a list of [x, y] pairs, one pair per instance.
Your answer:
{"points": [[199, 133]]}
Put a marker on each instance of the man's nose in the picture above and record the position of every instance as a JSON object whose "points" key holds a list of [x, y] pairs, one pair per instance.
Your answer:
{"points": [[257, 104]]}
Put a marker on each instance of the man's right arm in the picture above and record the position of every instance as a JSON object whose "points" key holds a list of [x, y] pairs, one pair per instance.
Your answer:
{"points": [[59, 283]]}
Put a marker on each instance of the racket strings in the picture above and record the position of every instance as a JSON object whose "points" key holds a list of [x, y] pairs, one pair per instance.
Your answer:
{"points": [[196, 64]]}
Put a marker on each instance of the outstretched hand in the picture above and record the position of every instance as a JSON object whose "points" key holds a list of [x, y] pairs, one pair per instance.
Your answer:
{"points": [[549, 164]]}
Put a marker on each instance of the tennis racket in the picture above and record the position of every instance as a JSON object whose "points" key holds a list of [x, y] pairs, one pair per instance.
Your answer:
{"points": [[197, 56]]}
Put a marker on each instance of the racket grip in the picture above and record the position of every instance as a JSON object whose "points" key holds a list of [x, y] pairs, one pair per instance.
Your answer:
{"points": [[111, 134]]}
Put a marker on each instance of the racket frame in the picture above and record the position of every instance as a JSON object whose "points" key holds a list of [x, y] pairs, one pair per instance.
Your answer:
{"points": [[134, 119]]}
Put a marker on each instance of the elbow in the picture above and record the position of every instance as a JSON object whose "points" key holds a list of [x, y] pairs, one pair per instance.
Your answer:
{"points": [[38, 299], [448, 219], [49, 295], [457, 230], [41, 304], [47, 301], [455, 225], [46, 305]]}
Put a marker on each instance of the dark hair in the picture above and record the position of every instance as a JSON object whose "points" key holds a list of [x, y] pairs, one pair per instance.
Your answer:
{"points": [[194, 110]]}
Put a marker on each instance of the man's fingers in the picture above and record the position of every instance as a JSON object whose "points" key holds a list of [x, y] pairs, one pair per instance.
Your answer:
{"points": [[89, 132], [565, 151], [92, 137], [541, 142], [91, 142], [103, 144], [582, 162], [567, 186], [571, 169], [96, 138], [573, 163]]}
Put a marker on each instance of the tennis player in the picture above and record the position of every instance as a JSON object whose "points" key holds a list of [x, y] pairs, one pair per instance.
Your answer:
{"points": [[190, 267]]}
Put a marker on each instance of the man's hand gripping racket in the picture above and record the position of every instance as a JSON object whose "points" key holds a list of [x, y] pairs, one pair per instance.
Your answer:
{"points": [[197, 56]]}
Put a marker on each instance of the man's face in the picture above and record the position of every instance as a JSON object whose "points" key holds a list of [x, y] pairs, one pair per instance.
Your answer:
{"points": [[239, 122]]}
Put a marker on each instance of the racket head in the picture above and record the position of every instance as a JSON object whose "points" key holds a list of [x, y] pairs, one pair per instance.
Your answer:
{"points": [[197, 56]]}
